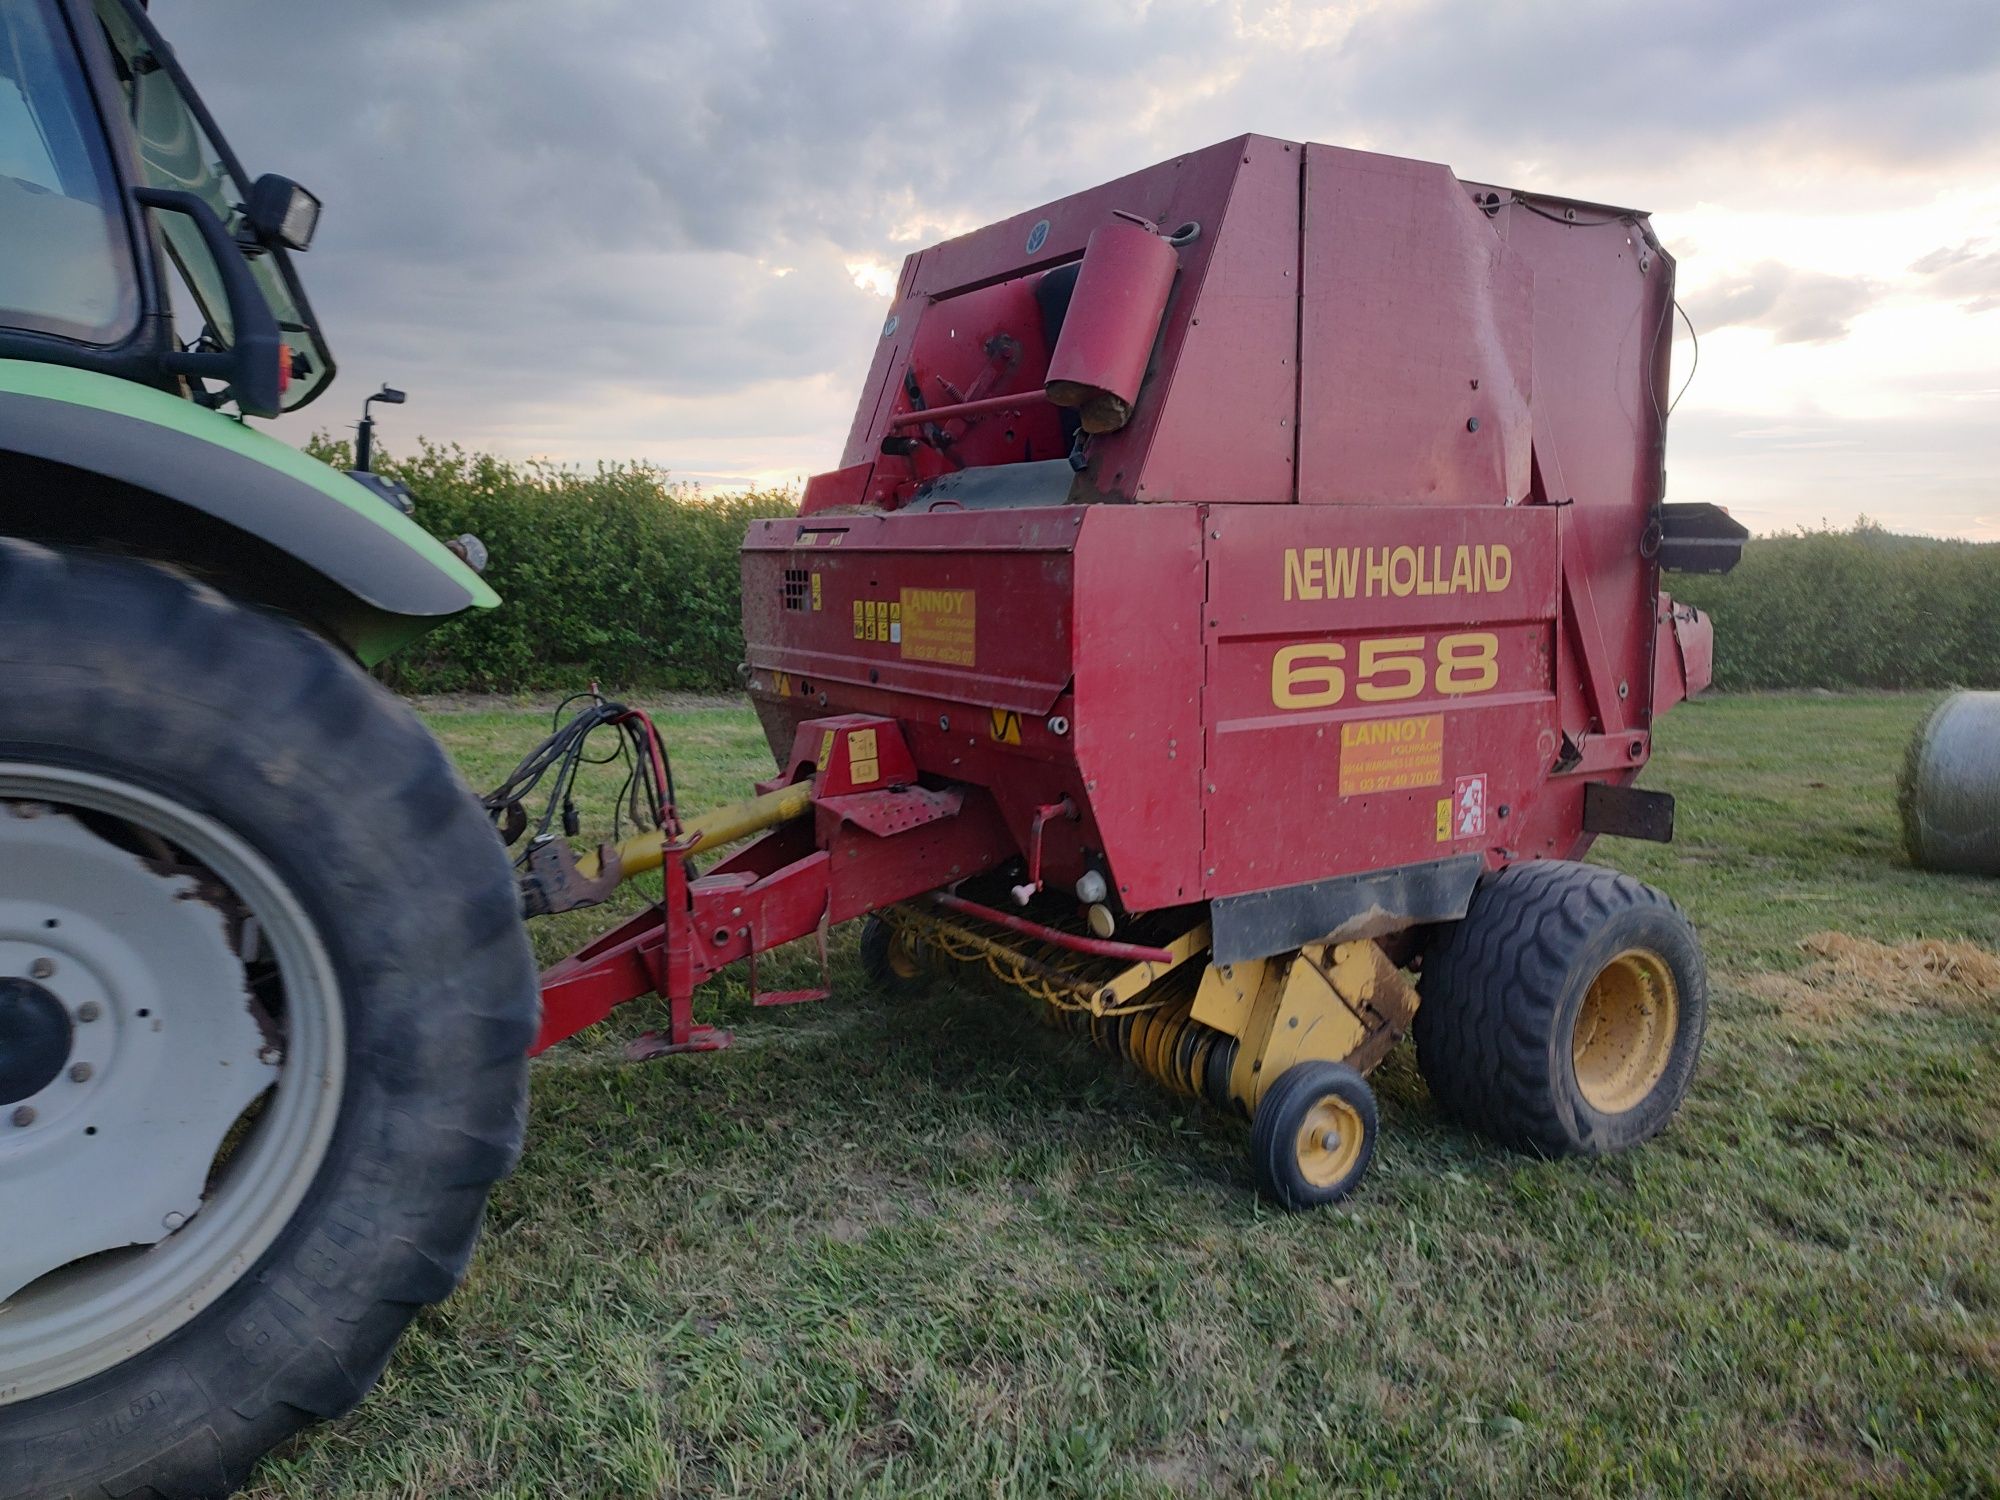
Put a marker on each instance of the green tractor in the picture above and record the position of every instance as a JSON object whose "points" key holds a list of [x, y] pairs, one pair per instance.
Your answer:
{"points": [[264, 990]]}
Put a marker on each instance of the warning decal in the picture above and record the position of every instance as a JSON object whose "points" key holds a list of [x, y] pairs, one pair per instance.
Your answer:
{"points": [[1468, 807], [1005, 725], [1391, 755], [863, 764], [877, 620], [938, 625]]}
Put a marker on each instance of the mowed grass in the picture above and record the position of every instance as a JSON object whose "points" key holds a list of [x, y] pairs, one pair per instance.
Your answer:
{"points": [[934, 1248]]}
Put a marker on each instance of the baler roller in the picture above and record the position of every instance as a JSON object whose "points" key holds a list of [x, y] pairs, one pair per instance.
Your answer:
{"points": [[1165, 1042]]}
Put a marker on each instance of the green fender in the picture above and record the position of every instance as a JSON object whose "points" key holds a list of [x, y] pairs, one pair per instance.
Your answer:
{"points": [[94, 460]]}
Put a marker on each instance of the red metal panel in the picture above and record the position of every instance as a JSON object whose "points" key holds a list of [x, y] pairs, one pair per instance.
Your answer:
{"points": [[853, 753], [841, 489], [1416, 339], [964, 605], [1137, 714], [1365, 664], [1602, 340], [1226, 390]]}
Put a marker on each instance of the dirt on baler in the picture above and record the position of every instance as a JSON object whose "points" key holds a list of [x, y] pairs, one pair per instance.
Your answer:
{"points": [[1241, 590]]}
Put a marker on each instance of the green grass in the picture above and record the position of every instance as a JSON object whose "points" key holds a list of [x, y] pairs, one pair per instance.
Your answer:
{"points": [[935, 1248]]}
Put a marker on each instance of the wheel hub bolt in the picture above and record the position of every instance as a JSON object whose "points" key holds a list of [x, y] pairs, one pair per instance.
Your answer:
{"points": [[25, 1115], [88, 1011], [79, 1073], [1331, 1140], [41, 968], [174, 1220], [270, 1056]]}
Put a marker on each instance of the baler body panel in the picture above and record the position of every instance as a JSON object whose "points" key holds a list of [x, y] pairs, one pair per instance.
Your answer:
{"points": [[1410, 400], [1381, 680]]}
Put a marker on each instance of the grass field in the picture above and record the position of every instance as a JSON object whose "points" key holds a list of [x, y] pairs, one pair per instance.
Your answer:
{"points": [[933, 1248]]}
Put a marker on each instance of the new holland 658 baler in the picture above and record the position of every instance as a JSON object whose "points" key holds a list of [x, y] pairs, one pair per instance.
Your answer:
{"points": [[1240, 588]]}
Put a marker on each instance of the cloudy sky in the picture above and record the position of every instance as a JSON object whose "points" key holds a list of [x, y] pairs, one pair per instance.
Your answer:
{"points": [[666, 229]]}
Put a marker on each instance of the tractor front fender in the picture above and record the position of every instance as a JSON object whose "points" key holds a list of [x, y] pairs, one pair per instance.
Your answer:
{"points": [[90, 460]]}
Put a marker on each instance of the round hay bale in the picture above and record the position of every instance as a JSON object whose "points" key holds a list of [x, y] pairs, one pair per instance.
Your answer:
{"points": [[1950, 792]]}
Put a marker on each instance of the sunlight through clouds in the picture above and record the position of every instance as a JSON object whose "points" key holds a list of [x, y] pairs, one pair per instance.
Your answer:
{"points": [[669, 231]]}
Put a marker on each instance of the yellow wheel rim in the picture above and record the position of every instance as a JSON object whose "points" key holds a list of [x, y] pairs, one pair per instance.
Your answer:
{"points": [[1330, 1141], [1625, 1031], [902, 962]]}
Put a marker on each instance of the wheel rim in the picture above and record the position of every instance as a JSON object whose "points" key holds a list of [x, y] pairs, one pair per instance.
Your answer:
{"points": [[1330, 1140], [126, 911], [902, 962], [1625, 1031]]}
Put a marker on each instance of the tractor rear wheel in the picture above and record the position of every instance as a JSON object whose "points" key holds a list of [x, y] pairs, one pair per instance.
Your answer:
{"points": [[1564, 1013], [264, 1003]]}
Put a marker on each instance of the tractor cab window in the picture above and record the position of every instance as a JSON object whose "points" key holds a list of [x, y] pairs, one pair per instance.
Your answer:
{"points": [[177, 151], [65, 265]]}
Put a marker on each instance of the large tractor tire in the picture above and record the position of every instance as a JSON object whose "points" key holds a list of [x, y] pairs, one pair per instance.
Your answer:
{"points": [[1564, 1014], [264, 1004]]}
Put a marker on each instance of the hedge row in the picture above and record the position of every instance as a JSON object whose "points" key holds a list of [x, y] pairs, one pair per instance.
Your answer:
{"points": [[1863, 608], [614, 574], [620, 575]]}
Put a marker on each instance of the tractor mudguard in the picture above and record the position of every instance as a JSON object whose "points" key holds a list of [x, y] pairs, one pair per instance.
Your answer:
{"points": [[88, 459]]}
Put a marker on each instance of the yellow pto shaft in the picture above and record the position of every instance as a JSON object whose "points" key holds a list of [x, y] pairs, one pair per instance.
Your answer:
{"points": [[721, 825]]}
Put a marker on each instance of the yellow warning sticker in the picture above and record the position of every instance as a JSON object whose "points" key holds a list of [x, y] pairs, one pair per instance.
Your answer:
{"points": [[781, 684], [1391, 755], [863, 764], [816, 593], [878, 620], [826, 749], [1444, 820], [939, 625], [1004, 725]]}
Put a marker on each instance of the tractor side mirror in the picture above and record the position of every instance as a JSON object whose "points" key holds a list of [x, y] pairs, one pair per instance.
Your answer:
{"points": [[256, 364], [280, 212]]}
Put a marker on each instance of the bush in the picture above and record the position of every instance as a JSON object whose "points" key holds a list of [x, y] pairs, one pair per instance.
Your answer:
{"points": [[614, 574], [1864, 608], [619, 575]]}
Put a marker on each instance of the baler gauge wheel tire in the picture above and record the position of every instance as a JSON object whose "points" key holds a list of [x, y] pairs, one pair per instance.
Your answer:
{"points": [[1313, 1135], [893, 966], [1563, 1015]]}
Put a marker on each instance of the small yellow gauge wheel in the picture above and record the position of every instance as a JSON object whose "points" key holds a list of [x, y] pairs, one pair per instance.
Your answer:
{"points": [[1313, 1135], [893, 967]]}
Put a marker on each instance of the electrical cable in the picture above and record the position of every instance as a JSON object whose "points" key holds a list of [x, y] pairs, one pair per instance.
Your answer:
{"points": [[1695, 339]]}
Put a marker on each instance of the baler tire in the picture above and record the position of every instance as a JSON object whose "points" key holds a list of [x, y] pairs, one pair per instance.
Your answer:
{"points": [[891, 967], [1505, 988], [1297, 1173], [127, 672]]}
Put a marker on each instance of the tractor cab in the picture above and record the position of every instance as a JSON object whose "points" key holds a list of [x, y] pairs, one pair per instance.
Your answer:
{"points": [[132, 242]]}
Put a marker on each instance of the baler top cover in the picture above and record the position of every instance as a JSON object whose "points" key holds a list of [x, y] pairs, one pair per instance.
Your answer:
{"points": [[1340, 327]]}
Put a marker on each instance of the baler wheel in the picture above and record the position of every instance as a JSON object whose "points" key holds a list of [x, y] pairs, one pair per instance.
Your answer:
{"points": [[1313, 1135], [893, 966], [1564, 1014]]}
